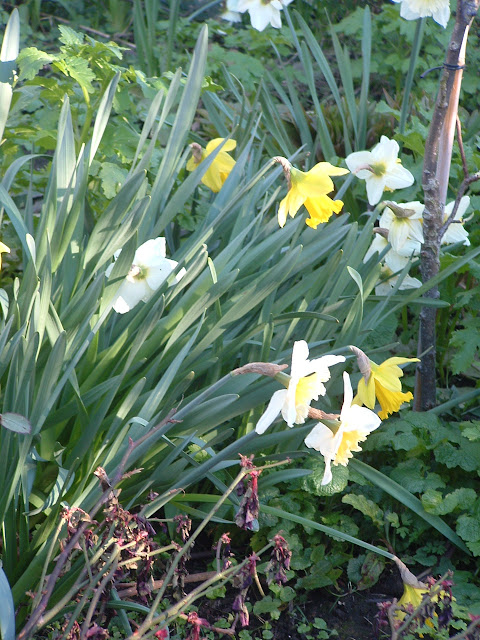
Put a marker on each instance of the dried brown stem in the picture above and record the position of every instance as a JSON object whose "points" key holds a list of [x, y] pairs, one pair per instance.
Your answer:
{"points": [[36, 618], [263, 368]]}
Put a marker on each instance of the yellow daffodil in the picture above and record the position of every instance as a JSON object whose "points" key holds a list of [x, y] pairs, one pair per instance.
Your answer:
{"points": [[381, 381], [3, 249], [220, 168], [356, 423], [304, 385], [310, 189]]}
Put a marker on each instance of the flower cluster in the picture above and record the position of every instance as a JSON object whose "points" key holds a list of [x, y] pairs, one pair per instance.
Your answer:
{"points": [[401, 226], [336, 437]]}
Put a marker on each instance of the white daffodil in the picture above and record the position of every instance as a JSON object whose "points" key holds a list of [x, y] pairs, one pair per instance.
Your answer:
{"points": [[456, 232], [393, 260], [385, 286], [380, 168], [356, 423], [439, 10], [231, 16], [262, 12], [405, 227], [149, 270], [305, 384]]}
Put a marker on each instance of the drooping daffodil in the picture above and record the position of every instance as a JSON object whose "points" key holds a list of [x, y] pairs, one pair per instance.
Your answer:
{"points": [[381, 381], [390, 279], [309, 188], [380, 168], [405, 227], [439, 10], [262, 12], [392, 264], [393, 260], [355, 424], [3, 249], [304, 385], [149, 270], [456, 232], [221, 166]]}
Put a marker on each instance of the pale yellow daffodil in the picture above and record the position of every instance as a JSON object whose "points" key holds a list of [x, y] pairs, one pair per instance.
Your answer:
{"points": [[380, 168], [355, 424], [381, 381], [439, 10], [220, 168], [3, 249], [309, 188], [304, 385]]}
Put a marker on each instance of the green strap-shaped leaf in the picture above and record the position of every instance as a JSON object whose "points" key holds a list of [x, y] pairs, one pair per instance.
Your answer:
{"points": [[280, 513], [7, 612], [406, 498]]}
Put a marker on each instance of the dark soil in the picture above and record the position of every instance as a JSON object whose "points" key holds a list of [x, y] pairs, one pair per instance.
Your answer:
{"points": [[352, 616]]}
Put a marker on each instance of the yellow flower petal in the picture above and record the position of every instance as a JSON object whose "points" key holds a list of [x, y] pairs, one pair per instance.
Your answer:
{"points": [[349, 443], [213, 144], [390, 401], [321, 209]]}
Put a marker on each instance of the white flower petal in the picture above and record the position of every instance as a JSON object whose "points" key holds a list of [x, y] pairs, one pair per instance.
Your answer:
{"points": [[150, 251], [375, 188], [271, 412], [129, 295], [299, 359], [359, 159], [347, 395], [398, 177]]}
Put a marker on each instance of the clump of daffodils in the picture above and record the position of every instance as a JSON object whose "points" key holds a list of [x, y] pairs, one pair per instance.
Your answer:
{"points": [[381, 169], [381, 382], [341, 434], [310, 189], [401, 227], [221, 166], [148, 272]]}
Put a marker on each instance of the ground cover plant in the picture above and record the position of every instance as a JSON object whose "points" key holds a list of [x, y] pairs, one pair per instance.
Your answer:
{"points": [[208, 231]]}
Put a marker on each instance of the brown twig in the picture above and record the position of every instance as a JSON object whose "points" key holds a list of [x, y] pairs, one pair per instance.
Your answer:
{"points": [[131, 587]]}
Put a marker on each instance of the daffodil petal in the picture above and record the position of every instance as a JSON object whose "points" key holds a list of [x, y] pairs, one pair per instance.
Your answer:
{"points": [[272, 411]]}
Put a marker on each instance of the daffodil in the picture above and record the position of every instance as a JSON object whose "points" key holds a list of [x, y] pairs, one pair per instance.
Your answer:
{"points": [[380, 168], [356, 423], [149, 270], [304, 385], [439, 10], [220, 168], [262, 12], [393, 260], [381, 381], [456, 232], [405, 227], [309, 188], [3, 249], [389, 282]]}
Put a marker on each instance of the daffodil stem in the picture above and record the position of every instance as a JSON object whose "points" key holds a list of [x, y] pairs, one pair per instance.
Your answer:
{"points": [[436, 168]]}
